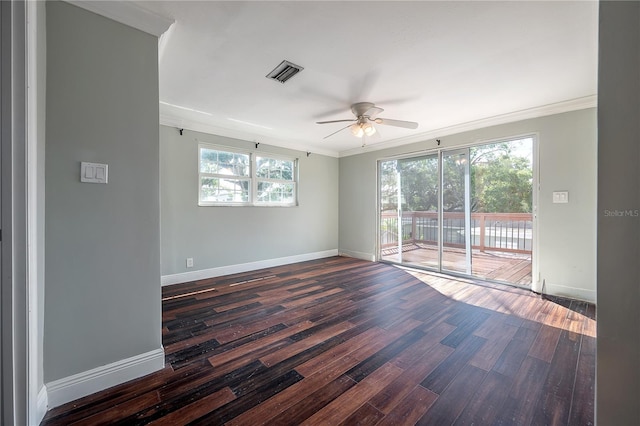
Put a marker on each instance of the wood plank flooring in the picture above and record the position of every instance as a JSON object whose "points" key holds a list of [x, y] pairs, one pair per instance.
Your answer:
{"points": [[340, 341], [513, 268]]}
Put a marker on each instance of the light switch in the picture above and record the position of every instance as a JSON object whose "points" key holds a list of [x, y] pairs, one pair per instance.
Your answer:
{"points": [[94, 172], [560, 196], [100, 173], [89, 172]]}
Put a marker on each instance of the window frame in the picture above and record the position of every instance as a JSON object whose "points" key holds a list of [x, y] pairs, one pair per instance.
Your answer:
{"points": [[252, 178], [294, 180]]}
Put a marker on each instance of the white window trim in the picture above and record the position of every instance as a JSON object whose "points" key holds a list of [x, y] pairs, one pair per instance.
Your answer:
{"points": [[252, 178], [257, 179]]}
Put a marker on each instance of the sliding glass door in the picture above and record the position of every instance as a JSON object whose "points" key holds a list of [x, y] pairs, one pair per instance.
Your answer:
{"points": [[465, 211], [456, 215], [409, 211]]}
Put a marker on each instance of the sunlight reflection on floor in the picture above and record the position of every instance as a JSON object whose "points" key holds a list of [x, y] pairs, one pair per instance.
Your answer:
{"points": [[501, 298]]}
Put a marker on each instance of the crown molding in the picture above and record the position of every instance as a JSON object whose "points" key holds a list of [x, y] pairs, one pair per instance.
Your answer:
{"points": [[546, 110], [172, 120], [129, 14]]}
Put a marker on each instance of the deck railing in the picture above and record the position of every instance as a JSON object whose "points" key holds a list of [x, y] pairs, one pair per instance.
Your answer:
{"points": [[505, 232]]}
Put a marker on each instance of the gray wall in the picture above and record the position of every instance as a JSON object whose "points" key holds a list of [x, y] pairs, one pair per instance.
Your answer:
{"points": [[566, 232], [14, 346], [102, 301], [618, 371], [223, 236]]}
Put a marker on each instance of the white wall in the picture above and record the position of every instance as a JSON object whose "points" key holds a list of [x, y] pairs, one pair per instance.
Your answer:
{"points": [[566, 232], [230, 239], [102, 299], [618, 368]]}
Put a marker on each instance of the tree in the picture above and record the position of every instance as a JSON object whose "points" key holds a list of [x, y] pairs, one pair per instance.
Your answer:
{"points": [[504, 186], [501, 178]]}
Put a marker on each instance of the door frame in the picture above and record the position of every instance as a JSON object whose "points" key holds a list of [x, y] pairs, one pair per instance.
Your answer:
{"points": [[13, 210], [536, 285]]}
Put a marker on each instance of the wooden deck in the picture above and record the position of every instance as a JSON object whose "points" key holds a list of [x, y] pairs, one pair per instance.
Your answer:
{"points": [[505, 267], [341, 341]]}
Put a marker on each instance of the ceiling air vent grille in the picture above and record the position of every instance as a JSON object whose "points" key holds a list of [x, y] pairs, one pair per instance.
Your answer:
{"points": [[284, 71]]}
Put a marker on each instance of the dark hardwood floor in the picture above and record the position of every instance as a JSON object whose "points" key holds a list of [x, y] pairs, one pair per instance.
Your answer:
{"points": [[343, 341]]}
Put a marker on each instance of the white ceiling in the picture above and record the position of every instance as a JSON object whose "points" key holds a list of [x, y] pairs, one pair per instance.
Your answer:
{"points": [[442, 64]]}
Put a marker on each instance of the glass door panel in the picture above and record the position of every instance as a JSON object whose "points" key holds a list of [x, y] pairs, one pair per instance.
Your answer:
{"points": [[419, 207], [456, 242], [409, 211], [502, 218], [390, 246]]}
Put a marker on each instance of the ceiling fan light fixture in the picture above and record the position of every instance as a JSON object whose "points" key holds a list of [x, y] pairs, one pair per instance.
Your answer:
{"points": [[363, 125], [368, 129], [357, 130]]}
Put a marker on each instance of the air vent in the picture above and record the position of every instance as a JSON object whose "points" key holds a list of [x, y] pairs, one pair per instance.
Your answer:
{"points": [[284, 71]]}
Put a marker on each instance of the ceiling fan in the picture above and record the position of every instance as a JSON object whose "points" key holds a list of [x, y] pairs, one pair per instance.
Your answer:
{"points": [[367, 113]]}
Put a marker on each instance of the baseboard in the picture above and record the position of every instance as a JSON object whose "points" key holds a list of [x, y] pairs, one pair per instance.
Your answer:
{"points": [[243, 267], [570, 292], [41, 404], [82, 384], [358, 255]]}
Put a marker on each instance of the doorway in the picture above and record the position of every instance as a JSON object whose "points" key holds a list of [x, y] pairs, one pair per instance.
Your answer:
{"points": [[467, 211]]}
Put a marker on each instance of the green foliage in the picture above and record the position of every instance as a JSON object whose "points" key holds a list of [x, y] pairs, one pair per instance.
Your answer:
{"points": [[501, 178], [503, 185]]}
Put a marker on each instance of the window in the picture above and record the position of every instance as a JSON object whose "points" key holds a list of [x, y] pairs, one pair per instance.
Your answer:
{"points": [[236, 178], [224, 177], [275, 179]]}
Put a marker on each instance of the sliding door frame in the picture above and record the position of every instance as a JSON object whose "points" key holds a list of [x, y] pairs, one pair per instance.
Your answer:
{"points": [[535, 275]]}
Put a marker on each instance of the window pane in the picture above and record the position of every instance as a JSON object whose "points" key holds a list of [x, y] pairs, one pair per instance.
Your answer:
{"points": [[208, 160], [224, 163], [271, 168], [276, 192], [216, 190], [262, 167]]}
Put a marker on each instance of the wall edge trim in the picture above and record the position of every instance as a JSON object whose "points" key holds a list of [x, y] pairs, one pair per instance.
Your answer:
{"points": [[41, 404], [358, 255], [512, 117], [85, 383], [128, 14], [570, 292], [201, 274]]}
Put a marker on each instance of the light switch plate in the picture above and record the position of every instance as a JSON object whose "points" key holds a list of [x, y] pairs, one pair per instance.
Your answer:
{"points": [[94, 172], [560, 197]]}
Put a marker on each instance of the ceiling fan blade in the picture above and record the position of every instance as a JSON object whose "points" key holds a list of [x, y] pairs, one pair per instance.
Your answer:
{"points": [[397, 123], [336, 121], [337, 131]]}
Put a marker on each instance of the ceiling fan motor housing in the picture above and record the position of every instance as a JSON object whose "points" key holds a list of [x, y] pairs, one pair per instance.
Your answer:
{"points": [[361, 108]]}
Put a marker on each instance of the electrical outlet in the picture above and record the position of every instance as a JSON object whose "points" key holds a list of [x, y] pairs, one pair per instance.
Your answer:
{"points": [[189, 262]]}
